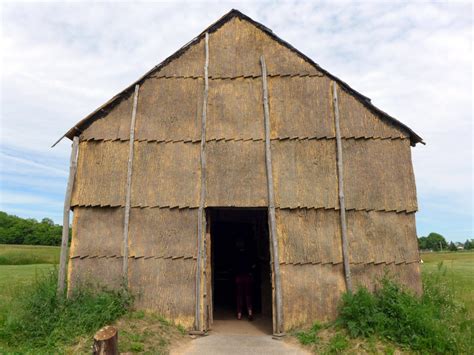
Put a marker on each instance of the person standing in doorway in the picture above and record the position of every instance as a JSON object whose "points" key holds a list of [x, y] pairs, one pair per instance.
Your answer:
{"points": [[244, 282]]}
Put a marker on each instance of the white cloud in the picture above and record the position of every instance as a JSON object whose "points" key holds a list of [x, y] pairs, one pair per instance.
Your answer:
{"points": [[413, 59]]}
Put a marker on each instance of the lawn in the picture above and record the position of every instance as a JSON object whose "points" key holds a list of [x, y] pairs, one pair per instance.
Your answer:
{"points": [[28, 254], [21, 264], [459, 273], [71, 331]]}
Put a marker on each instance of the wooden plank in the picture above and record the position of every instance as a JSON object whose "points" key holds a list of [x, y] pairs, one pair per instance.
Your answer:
{"points": [[67, 207], [271, 204], [340, 179], [129, 188], [209, 310], [201, 257]]}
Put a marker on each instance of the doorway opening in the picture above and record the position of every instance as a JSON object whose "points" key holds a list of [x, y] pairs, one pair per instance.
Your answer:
{"points": [[240, 245]]}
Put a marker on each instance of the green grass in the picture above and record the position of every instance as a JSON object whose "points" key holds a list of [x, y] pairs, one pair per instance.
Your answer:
{"points": [[34, 320], [393, 319], [38, 321], [14, 277], [21, 265], [28, 254], [459, 273]]}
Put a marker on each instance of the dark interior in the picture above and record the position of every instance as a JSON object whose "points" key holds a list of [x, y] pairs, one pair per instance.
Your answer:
{"points": [[233, 232]]}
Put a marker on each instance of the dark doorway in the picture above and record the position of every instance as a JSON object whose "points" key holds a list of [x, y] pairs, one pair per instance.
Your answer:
{"points": [[237, 233]]}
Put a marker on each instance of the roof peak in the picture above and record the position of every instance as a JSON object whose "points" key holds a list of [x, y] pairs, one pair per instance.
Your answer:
{"points": [[415, 138]]}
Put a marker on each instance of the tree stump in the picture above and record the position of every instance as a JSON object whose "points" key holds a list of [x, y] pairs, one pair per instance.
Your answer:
{"points": [[106, 341]]}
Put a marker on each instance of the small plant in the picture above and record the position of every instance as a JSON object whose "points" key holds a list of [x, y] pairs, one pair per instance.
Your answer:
{"points": [[432, 323], [337, 344], [39, 320], [309, 336]]}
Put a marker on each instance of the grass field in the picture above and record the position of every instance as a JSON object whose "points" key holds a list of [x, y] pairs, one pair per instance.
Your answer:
{"points": [[459, 273], [28, 254], [21, 264]]}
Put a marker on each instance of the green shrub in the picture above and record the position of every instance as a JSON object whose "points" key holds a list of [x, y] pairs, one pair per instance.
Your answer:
{"points": [[38, 319], [309, 336], [433, 323], [337, 344]]}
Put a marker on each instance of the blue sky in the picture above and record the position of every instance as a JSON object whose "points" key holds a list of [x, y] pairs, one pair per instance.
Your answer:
{"points": [[60, 61]]}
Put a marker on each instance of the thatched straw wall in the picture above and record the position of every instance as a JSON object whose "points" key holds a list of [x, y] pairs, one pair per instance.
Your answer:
{"points": [[165, 286], [305, 173], [311, 292], [236, 174], [378, 176]]}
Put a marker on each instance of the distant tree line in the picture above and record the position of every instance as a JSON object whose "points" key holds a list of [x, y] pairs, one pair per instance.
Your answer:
{"points": [[17, 230], [437, 242]]}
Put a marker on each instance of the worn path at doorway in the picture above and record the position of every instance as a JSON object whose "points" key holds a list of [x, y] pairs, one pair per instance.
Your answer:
{"points": [[238, 337]]}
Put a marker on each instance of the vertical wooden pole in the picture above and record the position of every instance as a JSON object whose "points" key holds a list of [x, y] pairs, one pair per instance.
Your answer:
{"points": [[129, 188], [202, 257], [340, 179], [271, 204], [67, 207]]}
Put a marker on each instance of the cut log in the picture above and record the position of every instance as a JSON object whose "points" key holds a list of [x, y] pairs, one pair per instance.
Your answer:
{"points": [[106, 341]]}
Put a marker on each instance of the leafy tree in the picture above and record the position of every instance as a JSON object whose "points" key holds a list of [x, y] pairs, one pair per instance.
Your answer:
{"points": [[422, 243], [469, 244], [452, 247], [16, 230], [436, 242], [433, 241]]}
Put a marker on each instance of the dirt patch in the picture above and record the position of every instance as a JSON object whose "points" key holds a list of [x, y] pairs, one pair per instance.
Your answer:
{"points": [[332, 340], [141, 332]]}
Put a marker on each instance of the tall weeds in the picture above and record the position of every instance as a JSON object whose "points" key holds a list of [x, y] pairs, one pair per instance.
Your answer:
{"points": [[432, 323], [39, 321]]}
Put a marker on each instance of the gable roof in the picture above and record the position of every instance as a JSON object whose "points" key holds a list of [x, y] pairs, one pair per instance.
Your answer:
{"points": [[104, 109]]}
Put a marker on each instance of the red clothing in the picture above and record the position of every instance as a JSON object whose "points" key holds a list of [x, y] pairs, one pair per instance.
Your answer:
{"points": [[243, 288]]}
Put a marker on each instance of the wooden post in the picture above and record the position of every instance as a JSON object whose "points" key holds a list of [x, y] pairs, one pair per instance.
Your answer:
{"points": [[129, 188], [106, 341], [340, 179], [201, 256], [271, 204], [67, 207]]}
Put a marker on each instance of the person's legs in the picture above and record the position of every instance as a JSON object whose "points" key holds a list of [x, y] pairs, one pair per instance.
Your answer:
{"points": [[239, 292], [248, 295]]}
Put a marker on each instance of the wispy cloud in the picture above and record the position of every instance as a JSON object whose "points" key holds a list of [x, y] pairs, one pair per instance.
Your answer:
{"points": [[413, 59]]}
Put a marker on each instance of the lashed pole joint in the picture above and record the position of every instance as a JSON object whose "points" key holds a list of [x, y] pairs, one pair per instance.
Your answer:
{"points": [[271, 205], [201, 256], [67, 207], [128, 192], [340, 179]]}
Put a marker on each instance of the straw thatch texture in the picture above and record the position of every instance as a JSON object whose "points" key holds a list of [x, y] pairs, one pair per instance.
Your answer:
{"points": [[165, 174], [165, 286], [97, 231], [114, 125], [310, 293], [235, 109], [382, 237], [309, 235], [169, 110], [101, 174], [358, 121], [368, 274], [163, 232], [236, 174], [304, 173], [236, 47], [95, 271], [378, 175], [300, 107], [189, 64]]}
